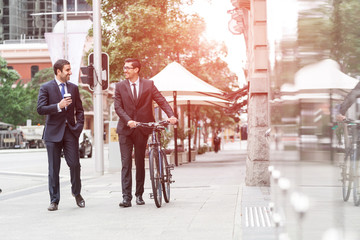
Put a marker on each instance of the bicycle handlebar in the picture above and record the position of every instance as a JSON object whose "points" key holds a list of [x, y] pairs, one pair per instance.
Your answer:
{"points": [[351, 121], [154, 125]]}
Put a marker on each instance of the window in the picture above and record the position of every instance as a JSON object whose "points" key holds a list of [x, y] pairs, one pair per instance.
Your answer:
{"points": [[34, 70]]}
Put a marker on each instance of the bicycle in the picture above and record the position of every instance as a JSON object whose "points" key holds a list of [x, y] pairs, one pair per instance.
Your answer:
{"points": [[350, 168], [160, 169]]}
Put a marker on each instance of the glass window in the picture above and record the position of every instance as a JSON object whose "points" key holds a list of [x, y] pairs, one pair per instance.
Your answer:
{"points": [[34, 70]]}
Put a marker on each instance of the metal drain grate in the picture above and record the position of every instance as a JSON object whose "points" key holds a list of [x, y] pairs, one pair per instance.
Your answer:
{"points": [[258, 217]]}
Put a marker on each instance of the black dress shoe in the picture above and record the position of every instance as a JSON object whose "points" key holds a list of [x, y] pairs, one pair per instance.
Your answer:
{"points": [[53, 206], [125, 203], [140, 200], [80, 201]]}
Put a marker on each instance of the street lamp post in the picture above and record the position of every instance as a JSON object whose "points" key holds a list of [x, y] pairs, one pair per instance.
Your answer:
{"points": [[98, 108], [65, 31]]}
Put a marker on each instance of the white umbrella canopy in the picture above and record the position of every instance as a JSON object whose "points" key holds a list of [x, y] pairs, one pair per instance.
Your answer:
{"points": [[324, 75], [176, 83], [198, 100], [317, 79], [175, 78]]}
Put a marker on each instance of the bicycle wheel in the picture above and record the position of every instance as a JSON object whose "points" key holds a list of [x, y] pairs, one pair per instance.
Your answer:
{"points": [[356, 187], [167, 177], [155, 176], [346, 174]]}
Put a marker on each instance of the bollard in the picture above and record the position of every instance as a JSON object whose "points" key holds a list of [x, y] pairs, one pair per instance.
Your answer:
{"points": [[284, 185], [300, 203]]}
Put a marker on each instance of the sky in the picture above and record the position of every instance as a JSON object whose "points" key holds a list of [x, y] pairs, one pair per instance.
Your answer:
{"points": [[216, 17]]}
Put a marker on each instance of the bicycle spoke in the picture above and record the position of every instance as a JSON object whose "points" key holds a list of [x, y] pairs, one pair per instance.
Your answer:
{"points": [[154, 176], [346, 175], [167, 178], [356, 187]]}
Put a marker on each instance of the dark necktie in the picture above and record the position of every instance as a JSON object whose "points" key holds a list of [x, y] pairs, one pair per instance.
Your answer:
{"points": [[62, 89], [134, 92]]}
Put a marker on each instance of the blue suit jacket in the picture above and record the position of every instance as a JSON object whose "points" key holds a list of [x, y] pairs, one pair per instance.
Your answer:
{"points": [[49, 97]]}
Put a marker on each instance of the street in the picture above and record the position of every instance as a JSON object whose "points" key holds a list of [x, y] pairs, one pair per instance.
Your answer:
{"points": [[205, 201], [208, 201]]}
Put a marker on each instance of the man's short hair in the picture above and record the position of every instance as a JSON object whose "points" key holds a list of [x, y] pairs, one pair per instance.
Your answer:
{"points": [[135, 63], [59, 64]]}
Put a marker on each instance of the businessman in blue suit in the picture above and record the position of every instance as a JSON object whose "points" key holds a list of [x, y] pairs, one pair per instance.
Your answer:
{"points": [[64, 124]]}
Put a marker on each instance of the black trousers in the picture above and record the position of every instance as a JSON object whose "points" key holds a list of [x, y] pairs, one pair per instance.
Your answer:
{"points": [[70, 145], [137, 140]]}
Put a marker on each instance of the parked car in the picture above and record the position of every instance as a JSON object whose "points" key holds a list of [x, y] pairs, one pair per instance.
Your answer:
{"points": [[85, 145]]}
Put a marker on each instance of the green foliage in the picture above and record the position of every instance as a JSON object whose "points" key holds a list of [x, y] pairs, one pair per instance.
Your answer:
{"points": [[86, 98], [181, 134], [345, 35], [33, 88], [327, 29], [13, 97], [166, 137], [157, 32], [203, 149]]}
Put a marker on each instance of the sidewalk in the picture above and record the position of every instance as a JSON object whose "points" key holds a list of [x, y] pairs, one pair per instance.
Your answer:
{"points": [[205, 204]]}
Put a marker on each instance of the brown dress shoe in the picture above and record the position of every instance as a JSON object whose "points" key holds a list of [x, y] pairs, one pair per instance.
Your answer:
{"points": [[53, 206], [80, 201]]}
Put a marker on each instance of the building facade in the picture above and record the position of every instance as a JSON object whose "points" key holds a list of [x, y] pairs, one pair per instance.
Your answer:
{"points": [[250, 18], [22, 34], [18, 23]]}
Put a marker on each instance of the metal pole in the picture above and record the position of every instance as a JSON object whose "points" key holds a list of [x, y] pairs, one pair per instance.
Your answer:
{"points": [[329, 128], [175, 130], [189, 130], [65, 30], [98, 107]]}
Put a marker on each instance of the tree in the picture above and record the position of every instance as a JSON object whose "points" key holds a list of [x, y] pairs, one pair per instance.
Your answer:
{"points": [[13, 96], [326, 29], [86, 98], [158, 32], [33, 88], [345, 35]]}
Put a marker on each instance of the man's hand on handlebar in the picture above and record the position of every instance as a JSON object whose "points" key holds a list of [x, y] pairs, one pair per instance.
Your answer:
{"points": [[172, 120], [132, 124], [340, 117]]}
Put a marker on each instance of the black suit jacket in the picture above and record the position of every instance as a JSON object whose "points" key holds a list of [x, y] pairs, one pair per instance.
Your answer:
{"points": [[141, 110], [49, 97]]}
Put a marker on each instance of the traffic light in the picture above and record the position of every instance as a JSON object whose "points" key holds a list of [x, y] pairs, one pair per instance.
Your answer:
{"points": [[88, 76], [104, 69]]}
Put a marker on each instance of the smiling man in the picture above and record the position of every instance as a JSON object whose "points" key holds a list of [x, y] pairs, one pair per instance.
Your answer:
{"points": [[60, 101], [134, 103]]}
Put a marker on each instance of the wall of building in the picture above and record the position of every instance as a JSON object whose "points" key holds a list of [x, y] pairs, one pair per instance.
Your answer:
{"points": [[28, 70]]}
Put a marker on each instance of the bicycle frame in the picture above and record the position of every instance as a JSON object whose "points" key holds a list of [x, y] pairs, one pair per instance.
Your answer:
{"points": [[156, 144]]}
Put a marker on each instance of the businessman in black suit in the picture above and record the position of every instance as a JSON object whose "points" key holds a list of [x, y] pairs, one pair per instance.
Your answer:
{"points": [[134, 103], [64, 124]]}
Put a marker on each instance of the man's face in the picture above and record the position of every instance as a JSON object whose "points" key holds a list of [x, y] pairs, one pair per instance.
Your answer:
{"points": [[129, 71], [64, 75]]}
